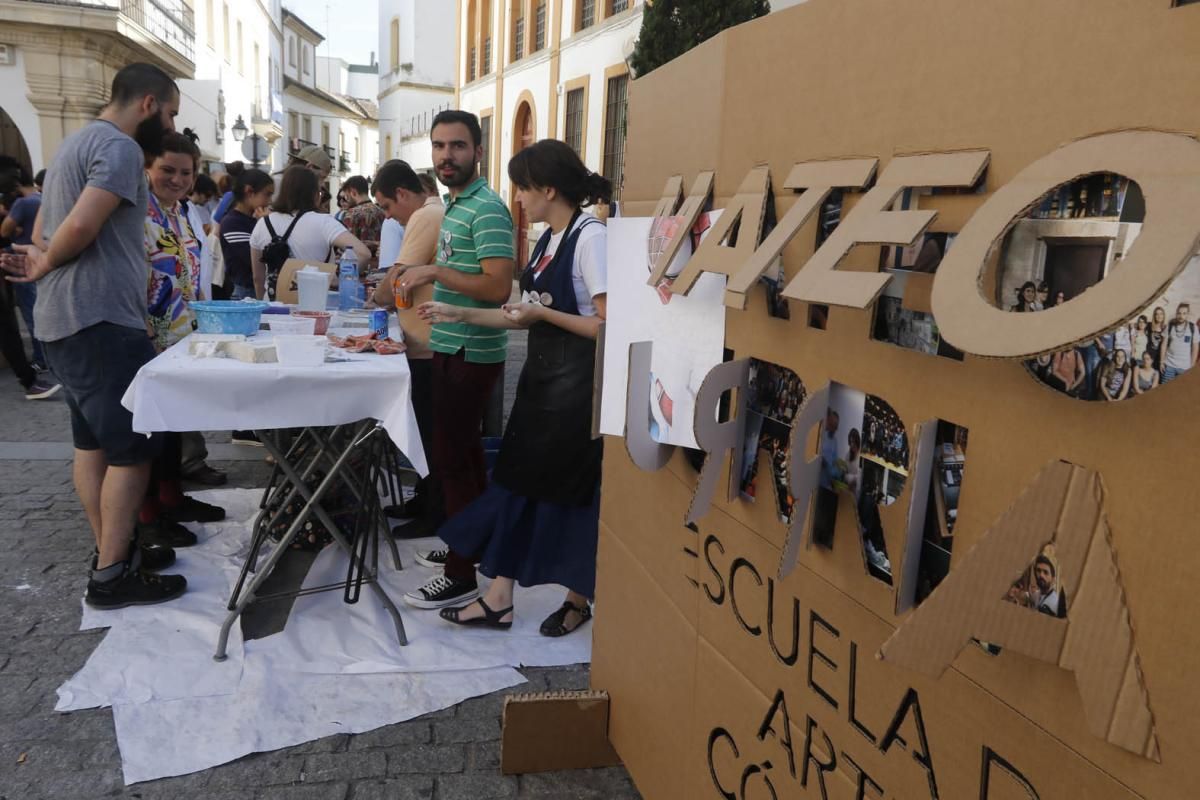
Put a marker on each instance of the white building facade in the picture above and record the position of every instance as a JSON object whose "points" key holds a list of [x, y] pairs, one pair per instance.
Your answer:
{"points": [[536, 69], [238, 78], [417, 75], [317, 110], [57, 62]]}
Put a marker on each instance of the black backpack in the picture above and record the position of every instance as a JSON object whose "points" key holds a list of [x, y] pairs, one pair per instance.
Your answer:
{"points": [[277, 252]]}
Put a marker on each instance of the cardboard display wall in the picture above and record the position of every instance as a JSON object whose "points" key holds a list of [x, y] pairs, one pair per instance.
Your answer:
{"points": [[729, 681]]}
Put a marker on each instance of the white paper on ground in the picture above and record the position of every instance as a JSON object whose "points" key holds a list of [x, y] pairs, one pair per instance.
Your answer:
{"points": [[324, 635], [335, 668], [274, 708], [688, 333]]}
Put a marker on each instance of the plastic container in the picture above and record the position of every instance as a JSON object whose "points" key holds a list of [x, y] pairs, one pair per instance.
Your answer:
{"points": [[300, 351], [303, 326], [350, 289], [228, 316], [313, 287], [320, 319]]}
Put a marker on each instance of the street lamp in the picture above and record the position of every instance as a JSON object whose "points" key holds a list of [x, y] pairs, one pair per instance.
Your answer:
{"points": [[255, 148], [239, 129]]}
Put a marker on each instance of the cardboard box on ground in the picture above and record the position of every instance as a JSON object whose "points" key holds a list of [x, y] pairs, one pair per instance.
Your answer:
{"points": [[728, 680]]}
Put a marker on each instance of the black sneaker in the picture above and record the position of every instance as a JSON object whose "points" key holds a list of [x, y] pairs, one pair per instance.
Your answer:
{"points": [[442, 591], [165, 533], [246, 437], [41, 389], [134, 588], [193, 510], [435, 558], [152, 557]]}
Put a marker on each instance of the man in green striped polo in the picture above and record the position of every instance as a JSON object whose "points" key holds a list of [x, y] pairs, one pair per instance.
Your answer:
{"points": [[474, 269]]}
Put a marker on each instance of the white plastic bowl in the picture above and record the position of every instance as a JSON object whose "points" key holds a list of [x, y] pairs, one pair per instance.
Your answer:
{"points": [[300, 351], [300, 326]]}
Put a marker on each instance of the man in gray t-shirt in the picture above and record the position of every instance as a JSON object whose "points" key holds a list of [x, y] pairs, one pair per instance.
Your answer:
{"points": [[107, 281], [93, 273]]}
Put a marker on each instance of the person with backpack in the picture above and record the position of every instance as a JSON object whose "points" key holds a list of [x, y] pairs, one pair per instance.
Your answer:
{"points": [[537, 522], [295, 229], [253, 192]]}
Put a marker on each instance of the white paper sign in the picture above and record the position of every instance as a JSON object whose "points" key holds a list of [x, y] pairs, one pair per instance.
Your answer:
{"points": [[688, 332]]}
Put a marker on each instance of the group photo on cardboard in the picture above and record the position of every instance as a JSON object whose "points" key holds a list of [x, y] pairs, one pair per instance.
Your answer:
{"points": [[1068, 243]]}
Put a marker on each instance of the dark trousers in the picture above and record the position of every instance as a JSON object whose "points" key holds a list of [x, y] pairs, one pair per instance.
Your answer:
{"points": [[460, 396], [26, 295], [428, 490], [10, 340]]}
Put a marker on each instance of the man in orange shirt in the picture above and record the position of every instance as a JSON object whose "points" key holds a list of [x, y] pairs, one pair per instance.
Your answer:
{"points": [[399, 192]]}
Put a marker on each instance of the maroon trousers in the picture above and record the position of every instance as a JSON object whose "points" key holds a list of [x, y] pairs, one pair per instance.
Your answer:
{"points": [[460, 395]]}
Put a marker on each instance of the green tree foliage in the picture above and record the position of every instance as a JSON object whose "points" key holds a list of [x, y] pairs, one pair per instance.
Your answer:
{"points": [[672, 27]]}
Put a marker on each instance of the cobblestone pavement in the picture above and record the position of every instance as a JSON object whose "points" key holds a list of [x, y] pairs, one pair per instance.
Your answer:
{"points": [[449, 755]]}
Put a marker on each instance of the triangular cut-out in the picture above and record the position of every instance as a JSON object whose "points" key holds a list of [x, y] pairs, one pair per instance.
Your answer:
{"points": [[1064, 504]]}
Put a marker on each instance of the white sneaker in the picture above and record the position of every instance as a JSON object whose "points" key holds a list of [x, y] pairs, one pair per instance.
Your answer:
{"points": [[440, 592]]}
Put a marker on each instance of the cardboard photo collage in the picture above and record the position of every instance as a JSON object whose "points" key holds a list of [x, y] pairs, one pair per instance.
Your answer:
{"points": [[1071, 240]]}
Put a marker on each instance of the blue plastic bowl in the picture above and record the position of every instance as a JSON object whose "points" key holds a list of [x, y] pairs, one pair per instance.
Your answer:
{"points": [[228, 316]]}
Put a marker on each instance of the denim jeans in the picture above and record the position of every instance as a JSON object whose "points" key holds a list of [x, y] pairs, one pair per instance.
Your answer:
{"points": [[1171, 373]]}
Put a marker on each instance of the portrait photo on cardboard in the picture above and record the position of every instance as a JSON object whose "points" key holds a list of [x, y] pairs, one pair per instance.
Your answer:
{"points": [[941, 507], [905, 327], [1071, 240], [864, 453], [776, 394]]}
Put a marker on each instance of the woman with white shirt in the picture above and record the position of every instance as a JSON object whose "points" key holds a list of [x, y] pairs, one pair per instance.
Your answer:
{"points": [[537, 522], [311, 235]]}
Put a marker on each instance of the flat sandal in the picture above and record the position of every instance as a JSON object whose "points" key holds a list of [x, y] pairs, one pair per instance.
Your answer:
{"points": [[555, 625], [490, 618]]}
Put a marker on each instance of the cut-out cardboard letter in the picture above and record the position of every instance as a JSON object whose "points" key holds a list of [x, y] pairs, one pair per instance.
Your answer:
{"points": [[817, 179], [1064, 504], [718, 438], [744, 214], [805, 476], [646, 453], [871, 222], [1167, 168], [689, 212], [672, 195]]}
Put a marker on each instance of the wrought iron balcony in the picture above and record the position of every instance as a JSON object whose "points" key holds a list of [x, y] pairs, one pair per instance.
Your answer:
{"points": [[170, 22]]}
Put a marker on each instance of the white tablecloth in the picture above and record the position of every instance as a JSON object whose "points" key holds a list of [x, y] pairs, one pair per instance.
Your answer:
{"points": [[177, 392]]}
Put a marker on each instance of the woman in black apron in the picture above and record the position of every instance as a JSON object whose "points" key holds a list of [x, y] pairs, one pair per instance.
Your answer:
{"points": [[537, 521]]}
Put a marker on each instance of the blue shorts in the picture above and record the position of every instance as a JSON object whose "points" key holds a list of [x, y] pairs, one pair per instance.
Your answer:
{"points": [[95, 366]]}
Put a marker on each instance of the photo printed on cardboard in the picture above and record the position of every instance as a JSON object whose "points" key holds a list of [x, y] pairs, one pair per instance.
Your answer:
{"points": [[1072, 239], [941, 510], [776, 394], [864, 452]]}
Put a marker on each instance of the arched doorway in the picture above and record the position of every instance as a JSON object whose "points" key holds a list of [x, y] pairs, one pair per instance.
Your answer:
{"points": [[523, 136], [12, 143]]}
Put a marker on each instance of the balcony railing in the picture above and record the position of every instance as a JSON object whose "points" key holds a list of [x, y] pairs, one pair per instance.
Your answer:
{"points": [[344, 162], [169, 21], [419, 124]]}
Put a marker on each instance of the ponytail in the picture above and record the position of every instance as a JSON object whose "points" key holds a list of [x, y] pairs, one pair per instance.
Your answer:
{"points": [[552, 164], [599, 189]]}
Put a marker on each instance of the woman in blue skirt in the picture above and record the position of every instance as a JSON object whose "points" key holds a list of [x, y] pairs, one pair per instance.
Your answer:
{"points": [[537, 521]]}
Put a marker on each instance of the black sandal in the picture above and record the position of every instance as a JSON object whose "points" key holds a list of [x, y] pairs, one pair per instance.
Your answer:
{"points": [[490, 618], [556, 624]]}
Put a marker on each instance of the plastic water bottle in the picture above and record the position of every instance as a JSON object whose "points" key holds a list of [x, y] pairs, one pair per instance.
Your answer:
{"points": [[351, 292]]}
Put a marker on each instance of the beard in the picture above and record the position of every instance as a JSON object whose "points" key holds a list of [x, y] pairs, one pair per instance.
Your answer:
{"points": [[462, 176], [149, 135]]}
